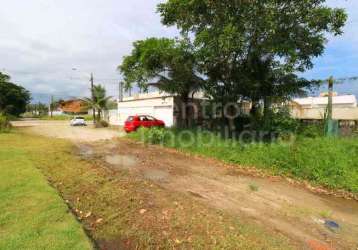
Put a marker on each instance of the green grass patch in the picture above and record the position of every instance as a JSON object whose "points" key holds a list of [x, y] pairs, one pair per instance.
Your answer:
{"points": [[331, 162], [33, 216]]}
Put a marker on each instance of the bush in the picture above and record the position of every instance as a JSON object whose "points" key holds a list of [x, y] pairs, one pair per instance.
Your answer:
{"points": [[5, 125], [311, 131], [102, 124], [150, 135], [282, 122]]}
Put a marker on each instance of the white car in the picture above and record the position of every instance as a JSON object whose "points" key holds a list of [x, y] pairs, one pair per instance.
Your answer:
{"points": [[78, 121]]}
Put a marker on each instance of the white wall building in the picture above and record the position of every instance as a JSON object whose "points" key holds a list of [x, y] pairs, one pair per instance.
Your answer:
{"points": [[156, 104], [314, 108]]}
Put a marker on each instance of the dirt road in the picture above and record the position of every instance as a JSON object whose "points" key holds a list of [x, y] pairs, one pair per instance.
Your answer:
{"points": [[62, 129], [273, 203]]}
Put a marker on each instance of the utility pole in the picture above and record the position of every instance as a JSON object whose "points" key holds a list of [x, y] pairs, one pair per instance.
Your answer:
{"points": [[330, 98], [331, 126], [93, 99], [120, 95], [51, 106]]}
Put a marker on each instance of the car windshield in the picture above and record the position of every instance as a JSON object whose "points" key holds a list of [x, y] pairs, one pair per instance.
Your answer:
{"points": [[79, 118], [129, 119]]}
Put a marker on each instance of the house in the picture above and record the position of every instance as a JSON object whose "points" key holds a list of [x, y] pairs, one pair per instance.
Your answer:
{"points": [[74, 106], [160, 105], [157, 104], [314, 108]]}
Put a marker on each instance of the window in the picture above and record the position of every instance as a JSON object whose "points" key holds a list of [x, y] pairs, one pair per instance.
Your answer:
{"points": [[150, 118]]}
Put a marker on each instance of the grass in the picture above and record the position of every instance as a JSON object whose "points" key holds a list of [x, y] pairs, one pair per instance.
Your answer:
{"points": [[64, 117], [33, 216], [253, 187], [325, 214], [115, 203], [331, 162]]}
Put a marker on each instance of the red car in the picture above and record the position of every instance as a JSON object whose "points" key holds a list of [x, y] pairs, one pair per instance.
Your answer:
{"points": [[146, 121]]}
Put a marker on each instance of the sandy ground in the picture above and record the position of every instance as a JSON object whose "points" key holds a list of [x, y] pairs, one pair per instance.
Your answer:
{"points": [[274, 203], [271, 202], [63, 130]]}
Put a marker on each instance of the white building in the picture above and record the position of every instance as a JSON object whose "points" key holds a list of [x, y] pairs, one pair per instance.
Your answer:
{"points": [[156, 104], [314, 108], [160, 105]]}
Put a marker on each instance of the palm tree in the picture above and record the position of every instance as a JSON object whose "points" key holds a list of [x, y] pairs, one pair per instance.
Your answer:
{"points": [[99, 102]]}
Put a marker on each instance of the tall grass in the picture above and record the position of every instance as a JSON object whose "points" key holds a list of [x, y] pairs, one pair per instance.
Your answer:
{"points": [[332, 162], [5, 125]]}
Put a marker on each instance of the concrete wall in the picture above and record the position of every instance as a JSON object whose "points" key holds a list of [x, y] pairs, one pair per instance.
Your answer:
{"points": [[349, 114], [161, 108]]}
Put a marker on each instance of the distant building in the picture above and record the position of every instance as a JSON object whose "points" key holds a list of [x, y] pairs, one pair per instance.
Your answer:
{"points": [[314, 108], [75, 106]]}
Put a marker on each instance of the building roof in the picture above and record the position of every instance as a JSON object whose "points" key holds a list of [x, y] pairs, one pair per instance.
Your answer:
{"points": [[73, 106], [349, 100], [156, 94]]}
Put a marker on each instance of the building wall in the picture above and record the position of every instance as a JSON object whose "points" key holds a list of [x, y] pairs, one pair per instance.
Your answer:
{"points": [[339, 113], [161, 108]]}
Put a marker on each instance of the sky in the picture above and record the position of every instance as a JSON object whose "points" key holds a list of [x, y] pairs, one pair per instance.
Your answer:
{"points": [[42, 41]]}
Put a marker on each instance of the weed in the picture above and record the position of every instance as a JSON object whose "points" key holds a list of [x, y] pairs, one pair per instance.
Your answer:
{"points": [[325, 214], [254, 187]]}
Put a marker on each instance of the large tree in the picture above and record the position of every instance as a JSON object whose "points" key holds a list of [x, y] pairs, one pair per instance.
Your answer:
{"points": [[254, 49], [166, 63], [13, 98]]}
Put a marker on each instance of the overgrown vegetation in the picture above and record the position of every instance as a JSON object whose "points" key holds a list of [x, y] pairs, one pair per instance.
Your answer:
{"points": [[33, 216], [331, 162], [13, 98]]}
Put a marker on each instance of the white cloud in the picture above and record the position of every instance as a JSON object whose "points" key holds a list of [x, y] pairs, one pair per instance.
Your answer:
{"points": [[42, 40]]}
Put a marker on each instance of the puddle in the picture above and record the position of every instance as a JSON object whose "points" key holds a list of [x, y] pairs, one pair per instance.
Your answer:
{"points": [[122, 161], [85, 151], [156, 175]]}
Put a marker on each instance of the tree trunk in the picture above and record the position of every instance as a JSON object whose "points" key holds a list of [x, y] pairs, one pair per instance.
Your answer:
{"points": [[98, 115], [184, 120], [267, 111]]}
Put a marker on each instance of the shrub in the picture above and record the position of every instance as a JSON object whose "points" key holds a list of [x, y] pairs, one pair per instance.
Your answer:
{"points": [[153, 135], [311, 131], [102, 124], [5, 124], [282, 122]]}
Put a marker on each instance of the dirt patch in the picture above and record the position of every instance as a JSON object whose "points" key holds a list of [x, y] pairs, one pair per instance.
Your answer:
{"points": [[273, 203], [156, 175], [63, 130]]}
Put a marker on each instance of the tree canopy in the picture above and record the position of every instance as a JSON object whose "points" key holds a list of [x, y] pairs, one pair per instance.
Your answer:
{"points": [[166, 63], [13, 98], [99, 102], [254, 49]]}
